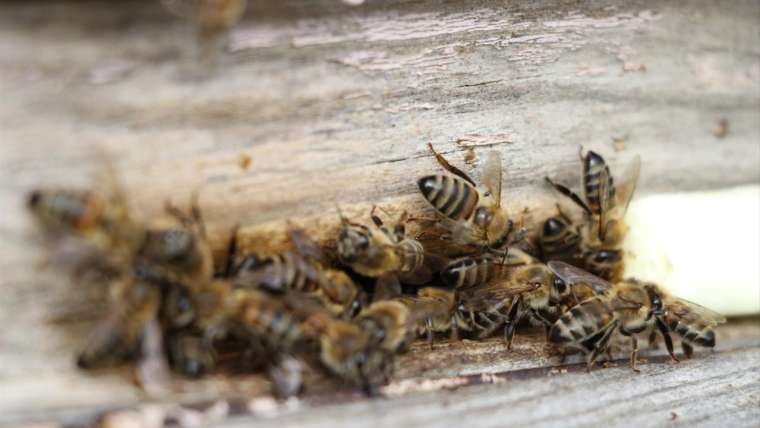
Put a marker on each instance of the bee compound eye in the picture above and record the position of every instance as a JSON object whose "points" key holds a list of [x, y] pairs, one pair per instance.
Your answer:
{"points": [[560, 285], [553, 226], [593, 159]]}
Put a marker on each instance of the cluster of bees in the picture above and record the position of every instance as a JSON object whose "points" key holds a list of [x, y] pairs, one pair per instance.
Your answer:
{"points": [[351, 316]]}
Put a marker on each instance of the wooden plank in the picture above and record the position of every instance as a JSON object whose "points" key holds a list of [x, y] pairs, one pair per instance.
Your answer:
{"points": [[365, 90]]}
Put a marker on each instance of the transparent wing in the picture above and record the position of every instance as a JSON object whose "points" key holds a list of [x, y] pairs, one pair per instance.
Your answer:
{"points": [[493, 295], [492, 175], [575, 276], [681, 308], [305, 246], [627, 183], [387, 287], [423, 308], [605, 204]]}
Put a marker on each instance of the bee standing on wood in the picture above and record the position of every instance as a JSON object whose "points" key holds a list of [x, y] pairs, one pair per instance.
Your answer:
{"points": [[303, 269], [594, 244], [630, 307], [472, 214]]}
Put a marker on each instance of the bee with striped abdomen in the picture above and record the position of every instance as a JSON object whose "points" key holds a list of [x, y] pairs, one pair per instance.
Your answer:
{"points": [[471, 214], [631, 307], [471, 271], [595, 243], [303, 269]]}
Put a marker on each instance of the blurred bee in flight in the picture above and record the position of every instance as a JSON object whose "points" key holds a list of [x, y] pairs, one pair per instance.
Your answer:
{"points": [[211, 20]]}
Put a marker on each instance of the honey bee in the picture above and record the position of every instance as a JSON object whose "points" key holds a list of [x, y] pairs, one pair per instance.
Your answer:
{"points": [[179, 254], [98, 218], [472, 214], [471, 271], [631, 307], [303, 270], [525, 288], [376, 251], [594, 244], [349, 352], [432, 310], [133, 304]]}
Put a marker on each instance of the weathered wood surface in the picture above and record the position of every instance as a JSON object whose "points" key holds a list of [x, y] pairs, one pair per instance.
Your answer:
{"points": [[335, 105]]}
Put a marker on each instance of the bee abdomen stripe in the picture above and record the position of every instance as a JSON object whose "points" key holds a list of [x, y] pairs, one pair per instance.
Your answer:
{"points": [[466, 201]]}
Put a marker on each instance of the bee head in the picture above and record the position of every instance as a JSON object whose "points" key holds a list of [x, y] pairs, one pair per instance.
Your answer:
{"points": [[67, 211], [593, 159], [353, 244], [169, 245]]}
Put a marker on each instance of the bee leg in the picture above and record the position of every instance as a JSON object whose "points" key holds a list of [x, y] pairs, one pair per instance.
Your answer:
{"points": [[450, 168], [511, 324], [286, 376], [107, 343], [687, 349], [454, 329], [429, 327], [196, 215], [653, 340], [230, 258], [375, 219], [634, 353], [666, 335], [600, 345]]}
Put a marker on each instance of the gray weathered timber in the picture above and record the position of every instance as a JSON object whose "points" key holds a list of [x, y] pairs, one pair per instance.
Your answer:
{"points": [[335, 105]]}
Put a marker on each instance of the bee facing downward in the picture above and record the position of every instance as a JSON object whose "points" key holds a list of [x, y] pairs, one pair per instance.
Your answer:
{"points": [[594, 244], [472, 214]]}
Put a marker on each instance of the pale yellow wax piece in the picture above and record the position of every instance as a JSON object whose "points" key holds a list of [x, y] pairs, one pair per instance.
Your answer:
{"points": [[701, 246]]}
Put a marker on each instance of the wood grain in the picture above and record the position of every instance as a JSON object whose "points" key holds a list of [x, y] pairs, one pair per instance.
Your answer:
{"points": [[332, 104]]}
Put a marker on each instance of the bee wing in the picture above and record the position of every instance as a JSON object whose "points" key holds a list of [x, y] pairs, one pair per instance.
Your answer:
{"points": [[263, 278], [605, 203], [627, 183], [681, 307], [423, 275], [487, 296], [387, 287], [305, 246], [576, 276], [421, 308], [491, 177]]}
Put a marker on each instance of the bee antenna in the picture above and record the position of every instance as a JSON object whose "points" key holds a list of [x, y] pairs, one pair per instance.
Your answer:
{"points": [[343, 219]]}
